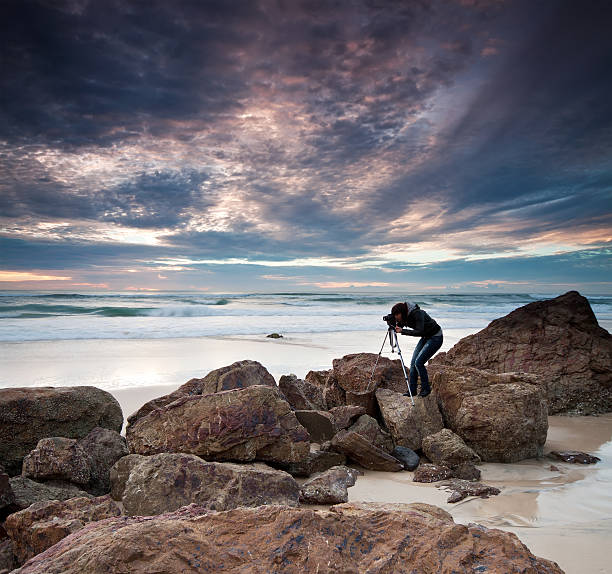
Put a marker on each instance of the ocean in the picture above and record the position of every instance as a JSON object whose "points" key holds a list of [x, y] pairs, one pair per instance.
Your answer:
{"points": [[40, 316]]}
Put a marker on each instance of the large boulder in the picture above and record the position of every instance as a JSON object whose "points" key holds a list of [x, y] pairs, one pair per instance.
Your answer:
{"points": [[43, 524], [330, 487], [29, 414], [558, 339], [238, 375], [363, 452], [248, 424], [165, 482], [319, 424], [409, 424], [369, 428], [318, 460], [447, 448], [502, 417], [302, 395], [29, 491], [58, 458], [347, 538], [333, 394], [345, 416]]}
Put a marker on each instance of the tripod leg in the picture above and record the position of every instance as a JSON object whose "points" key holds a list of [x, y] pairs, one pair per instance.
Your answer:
{"points": [[379, 353], [399, 352]]}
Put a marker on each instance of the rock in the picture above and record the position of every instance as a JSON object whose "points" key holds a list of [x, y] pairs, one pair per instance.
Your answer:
{"points": [[466, 471], [346, 538], [58, 458], [319, 424], [558, 339], [447, 449], [302, 395], [7, 496], [409, 424], [345, 416], [575, 457], [105, 447], [238, 375], [318, 460], [460, 489], [363, 452], [165, 482], [368, 428], [29, 414], [7, 557], [502, 417], [427, 472], [248, 424], [330, 487], [333, 394], [274, 336], [120, 472], [409, 459], [43, 524], [28, 491]]}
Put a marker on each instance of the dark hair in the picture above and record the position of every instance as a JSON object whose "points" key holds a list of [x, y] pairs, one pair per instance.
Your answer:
{"points": [[400, 308]]}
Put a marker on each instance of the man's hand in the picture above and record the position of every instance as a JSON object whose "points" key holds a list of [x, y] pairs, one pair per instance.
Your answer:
{"points": [[398, 329]]}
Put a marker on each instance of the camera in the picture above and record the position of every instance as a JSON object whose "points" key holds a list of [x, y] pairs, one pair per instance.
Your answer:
{"points": [[390, 320]]}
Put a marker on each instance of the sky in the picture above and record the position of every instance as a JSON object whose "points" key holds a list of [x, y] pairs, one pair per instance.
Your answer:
{"points": [[232, 146]]}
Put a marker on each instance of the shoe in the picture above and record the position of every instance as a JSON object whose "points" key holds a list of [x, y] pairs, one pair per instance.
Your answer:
{"points": [[425, 392]]}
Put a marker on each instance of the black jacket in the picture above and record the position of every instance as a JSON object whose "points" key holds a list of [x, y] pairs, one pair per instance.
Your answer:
{"points": [[422, 325]]}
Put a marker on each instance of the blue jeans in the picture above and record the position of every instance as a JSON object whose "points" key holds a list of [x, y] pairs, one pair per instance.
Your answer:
{"points": [[425, 350]]}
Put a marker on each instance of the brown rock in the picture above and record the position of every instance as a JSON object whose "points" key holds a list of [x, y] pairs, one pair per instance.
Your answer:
{"points": [[333, 394], [43, 524], [238, 375], [7, 556], [330, 487], [460, 489], [319, 424], [29, 414], [165, 482], [448, 449], [120, 472], [7, 496], [363, 452], [369, 428], [466, 471], [347, 538], [318, 460], [558, 339], [240, 425], [345, 416], [409, 424], [356, 373], [302, 395], [28, 491], [58, 458], [575, 457], [427, 472], [502, 417]]}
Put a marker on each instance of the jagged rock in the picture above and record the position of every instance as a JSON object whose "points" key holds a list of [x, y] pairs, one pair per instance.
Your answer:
{"points": [[575, 457], [345, 416], [30, 414], [448, 449], [347, 538], [28, 491], [302, 395], [502, 417], [427, 472], [120, 472], [460, 489], [165, 482], [248, 424], [43, 524], [104, 447], [7, 556], [319, 424], [238, 375], [558, 339], [330, 487], [406, 456], [408, 423], [369, 428], [58, 458], [318, 460], [333, 394], [363, 452]]}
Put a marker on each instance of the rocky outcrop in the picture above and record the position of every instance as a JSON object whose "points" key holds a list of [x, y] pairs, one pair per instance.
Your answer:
{"points": [[330, 487], [165, 482], [238, 375], [43, 524], [558, 339], [408, 423], [502, 417], [242, 425], [302, 395], [461, 489], [363, 452], [29, 491], [346, 538], [30, 414], [447, 448]]}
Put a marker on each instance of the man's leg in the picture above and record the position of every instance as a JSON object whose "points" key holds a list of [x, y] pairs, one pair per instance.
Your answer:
{"points": [[414, 374], [427, 351]]}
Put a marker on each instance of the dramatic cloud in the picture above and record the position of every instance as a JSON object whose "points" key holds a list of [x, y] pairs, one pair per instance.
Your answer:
{"points": [[208, 141]]}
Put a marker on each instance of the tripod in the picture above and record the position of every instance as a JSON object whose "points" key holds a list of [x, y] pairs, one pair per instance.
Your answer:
{"points": [[394, 345]]}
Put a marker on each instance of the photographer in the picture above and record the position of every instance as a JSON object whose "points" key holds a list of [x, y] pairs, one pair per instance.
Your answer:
{"points": [[420, 325]]}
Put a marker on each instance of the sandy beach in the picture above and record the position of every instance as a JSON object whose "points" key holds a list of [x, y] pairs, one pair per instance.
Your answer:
{"points": [[564, 515]]}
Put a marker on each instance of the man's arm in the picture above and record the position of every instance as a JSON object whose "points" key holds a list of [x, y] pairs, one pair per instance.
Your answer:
{"points": [[419, 326]]}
